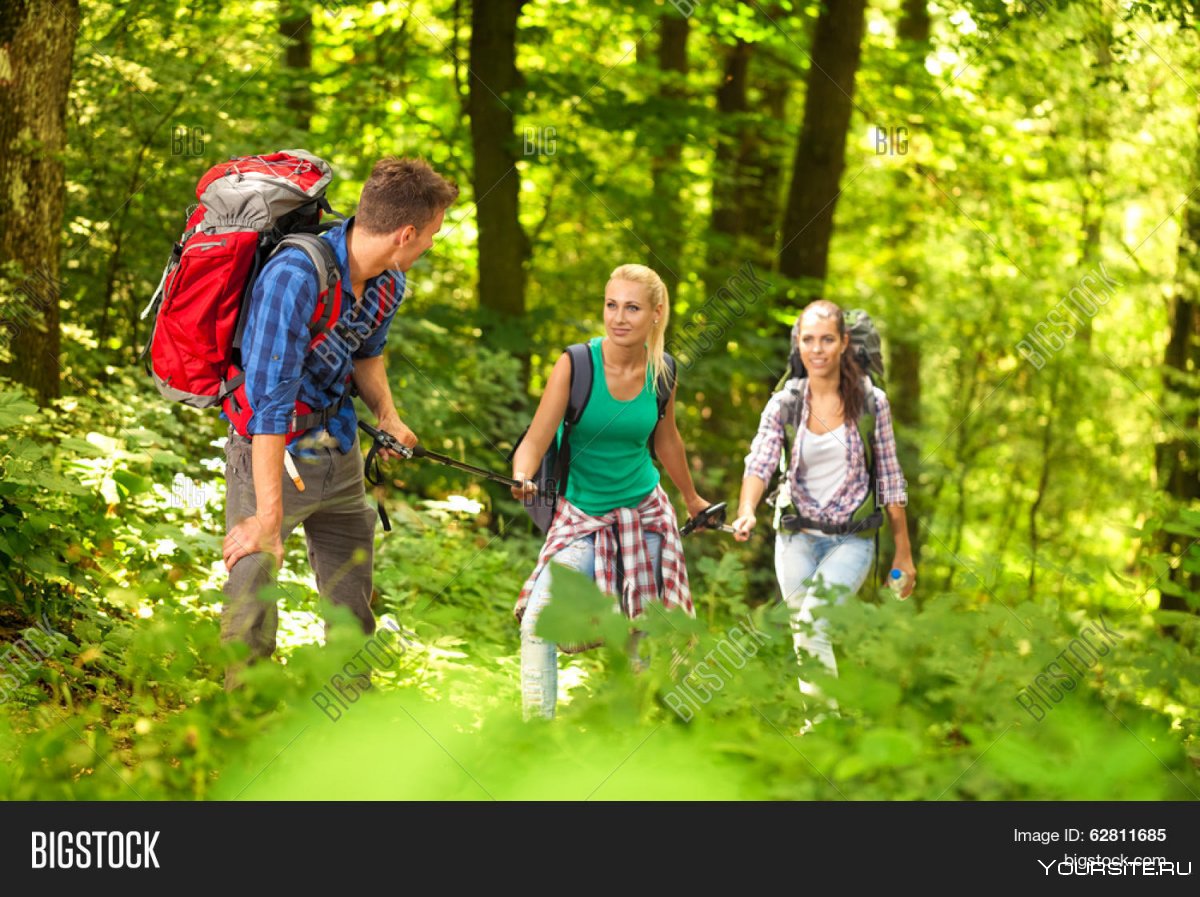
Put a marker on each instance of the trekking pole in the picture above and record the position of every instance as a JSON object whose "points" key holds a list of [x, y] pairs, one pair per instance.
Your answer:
{"points": [[419, 451], [712, 517], [387, 441]]}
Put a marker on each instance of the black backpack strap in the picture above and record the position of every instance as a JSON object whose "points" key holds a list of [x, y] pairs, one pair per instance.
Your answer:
{"points": [[866, 433], [324, 206], [665, 385], [582, 373]]}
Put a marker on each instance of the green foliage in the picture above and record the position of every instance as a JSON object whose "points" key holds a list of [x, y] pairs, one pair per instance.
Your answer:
{"points": [[90, 505], [1043, 144], [927, 699]]}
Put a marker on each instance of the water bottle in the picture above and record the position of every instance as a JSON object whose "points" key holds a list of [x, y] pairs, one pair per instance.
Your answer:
{"points": [[898, 581]]}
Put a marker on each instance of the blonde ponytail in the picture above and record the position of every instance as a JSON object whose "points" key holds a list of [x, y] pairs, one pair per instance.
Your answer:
{"points": [[656, 295]]}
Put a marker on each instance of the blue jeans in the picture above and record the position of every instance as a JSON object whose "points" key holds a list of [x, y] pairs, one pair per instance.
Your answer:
{"points": [[809, 567], [539, 657]]}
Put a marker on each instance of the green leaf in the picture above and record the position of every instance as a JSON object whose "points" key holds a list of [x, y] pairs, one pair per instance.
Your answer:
{"points": [[579, 613], [889, 747], [82, 447], [13, 408], [1182, 529], [132, 483], [1177, 617]]}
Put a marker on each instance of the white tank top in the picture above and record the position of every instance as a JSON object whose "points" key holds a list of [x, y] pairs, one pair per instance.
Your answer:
{"points": [[823, 463]]}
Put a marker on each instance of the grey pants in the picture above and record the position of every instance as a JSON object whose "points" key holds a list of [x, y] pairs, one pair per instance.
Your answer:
{"points": [[339, 527]]}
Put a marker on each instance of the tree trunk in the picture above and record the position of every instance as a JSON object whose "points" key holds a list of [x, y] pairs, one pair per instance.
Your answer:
{"points": [[1178, 459], [732, 134], [1065, 372], [37, 45], [821, 150], [748, 162], [913, 32], [503, 244], [904, 375], [764, 163], [295, 28], [667, 237]]}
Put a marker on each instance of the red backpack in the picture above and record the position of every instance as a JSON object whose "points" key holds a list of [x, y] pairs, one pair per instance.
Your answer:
{"points": [[250, 207]]}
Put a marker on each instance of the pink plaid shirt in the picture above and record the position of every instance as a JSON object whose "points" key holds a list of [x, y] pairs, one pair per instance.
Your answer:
{"points": [[763, 460], [655, 514]]}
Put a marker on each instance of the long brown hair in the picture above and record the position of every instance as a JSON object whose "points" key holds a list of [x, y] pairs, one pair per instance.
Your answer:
{"points": [[851, 387]]}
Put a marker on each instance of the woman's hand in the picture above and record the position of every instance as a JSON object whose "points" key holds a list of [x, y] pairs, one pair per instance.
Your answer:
{"points": [[905, 565], [525, 493], [697, 506], [744, 524]]}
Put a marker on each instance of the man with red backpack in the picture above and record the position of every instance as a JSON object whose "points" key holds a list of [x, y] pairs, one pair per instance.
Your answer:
{"points": [[292, 456]]}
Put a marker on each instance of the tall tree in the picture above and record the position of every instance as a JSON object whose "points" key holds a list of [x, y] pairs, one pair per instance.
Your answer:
{"points": [[749, 159], [764, 159], [503, 243], [37, 46], [821, 149], [295, 29], [913, 32], [732, 134], [1069, 374], [1177, 457], [904, 376], [666, 169], [748, 164]]}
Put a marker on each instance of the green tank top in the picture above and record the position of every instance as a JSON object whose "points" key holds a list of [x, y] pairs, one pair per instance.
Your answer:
{"points": [[610, 452]]}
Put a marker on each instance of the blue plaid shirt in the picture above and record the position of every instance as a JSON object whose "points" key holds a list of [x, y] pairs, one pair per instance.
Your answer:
{"points": [[280, 369]]}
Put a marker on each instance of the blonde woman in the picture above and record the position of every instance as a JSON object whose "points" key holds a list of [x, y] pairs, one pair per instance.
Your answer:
{"points": [[614, 522]]}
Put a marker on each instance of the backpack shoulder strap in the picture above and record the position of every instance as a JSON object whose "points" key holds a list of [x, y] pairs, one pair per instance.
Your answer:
{"points": [[319, 252], [582, 372], [866, 427], [869, 405], [791, 400], [665, 385], [792, 403], [790, 406], [324, 263]]}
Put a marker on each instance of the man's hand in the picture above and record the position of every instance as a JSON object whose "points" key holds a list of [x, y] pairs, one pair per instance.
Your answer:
{"points": [[391, 424], [251, 536]]}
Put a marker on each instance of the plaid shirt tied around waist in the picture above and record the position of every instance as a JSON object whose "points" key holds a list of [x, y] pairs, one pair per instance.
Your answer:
{"points": [[621, 532]]}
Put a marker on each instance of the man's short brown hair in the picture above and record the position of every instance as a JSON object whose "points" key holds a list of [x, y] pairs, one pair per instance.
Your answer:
{"points": [[400, 192]]}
